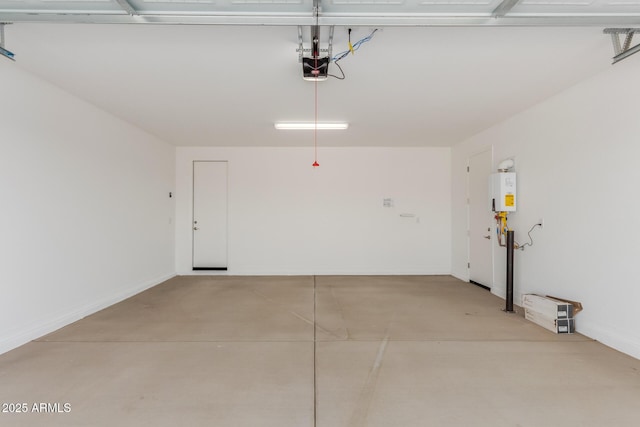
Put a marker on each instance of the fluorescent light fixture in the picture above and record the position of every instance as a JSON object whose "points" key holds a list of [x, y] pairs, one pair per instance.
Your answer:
{"points": [[311, 126]]}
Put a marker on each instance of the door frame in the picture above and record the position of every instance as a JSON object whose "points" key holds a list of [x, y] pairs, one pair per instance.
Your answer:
{"points": [[193, 213], [469, 231]]}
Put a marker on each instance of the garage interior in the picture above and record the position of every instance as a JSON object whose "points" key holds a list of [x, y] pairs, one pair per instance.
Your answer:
{"points": [[318, 350], [342, 295]]}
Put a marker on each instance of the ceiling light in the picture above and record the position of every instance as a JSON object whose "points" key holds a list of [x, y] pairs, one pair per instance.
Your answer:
{"points": [[311, 126]]}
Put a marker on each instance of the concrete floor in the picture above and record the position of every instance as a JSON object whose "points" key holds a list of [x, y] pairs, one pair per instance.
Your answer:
{"points": [[385, 351]]}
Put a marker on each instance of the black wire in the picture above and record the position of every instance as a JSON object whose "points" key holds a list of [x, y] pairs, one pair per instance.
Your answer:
{"points": [[530, 243], [339, 78]]}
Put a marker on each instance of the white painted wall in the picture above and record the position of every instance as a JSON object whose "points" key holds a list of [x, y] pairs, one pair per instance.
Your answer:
{"points": [[577, 158], [85, 212], [285, 217]]}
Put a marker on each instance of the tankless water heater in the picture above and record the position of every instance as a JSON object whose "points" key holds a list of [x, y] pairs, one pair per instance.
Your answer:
{"points": [[502, 192]]}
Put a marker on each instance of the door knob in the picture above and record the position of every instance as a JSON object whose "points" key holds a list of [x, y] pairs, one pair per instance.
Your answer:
{"points": [[195, 228], [488, 237]]}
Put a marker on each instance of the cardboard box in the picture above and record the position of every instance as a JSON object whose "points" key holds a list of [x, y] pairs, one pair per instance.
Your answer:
{"points": [[577, 306], [548, 307], [559, 326]]}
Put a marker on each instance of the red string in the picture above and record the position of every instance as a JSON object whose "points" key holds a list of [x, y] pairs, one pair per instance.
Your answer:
{"points": [[315, 128]]}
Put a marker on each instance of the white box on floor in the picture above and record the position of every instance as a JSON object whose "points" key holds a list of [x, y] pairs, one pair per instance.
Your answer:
{"points": [[559, 326], [548, 307]]}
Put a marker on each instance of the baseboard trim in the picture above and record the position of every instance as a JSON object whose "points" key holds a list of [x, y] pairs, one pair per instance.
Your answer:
{"points": [[608, 336], [45, 326], [266, 272]]}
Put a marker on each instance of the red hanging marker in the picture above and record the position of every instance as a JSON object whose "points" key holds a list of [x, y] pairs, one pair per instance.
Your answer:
{"points": [[315, 121]]}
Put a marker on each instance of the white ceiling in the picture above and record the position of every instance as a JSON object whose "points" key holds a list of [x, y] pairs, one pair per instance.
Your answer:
{"points": [[226, 85]]}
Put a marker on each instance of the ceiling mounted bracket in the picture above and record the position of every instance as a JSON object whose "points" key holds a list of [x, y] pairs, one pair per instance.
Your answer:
{"points": [[308, 51], [503, 8], [300, 46], [3, 51], [315, 59], [127, 7], [624, 49]]}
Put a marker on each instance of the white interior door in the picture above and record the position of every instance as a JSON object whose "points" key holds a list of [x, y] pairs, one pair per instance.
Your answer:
{"points": [[209, 215], [480, 220]]}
